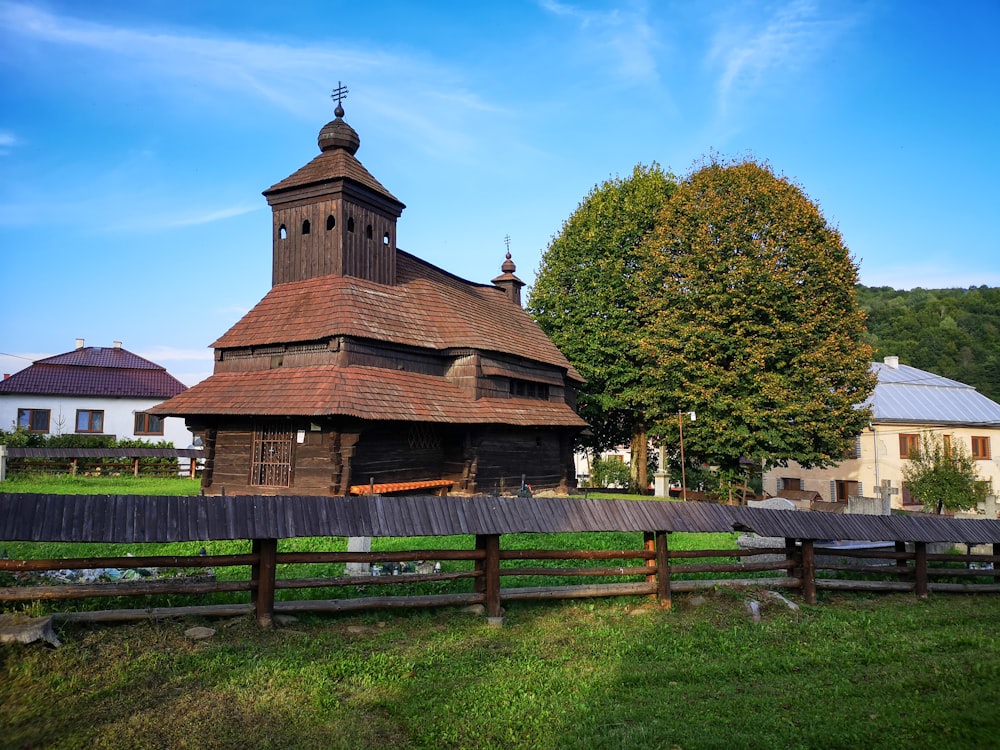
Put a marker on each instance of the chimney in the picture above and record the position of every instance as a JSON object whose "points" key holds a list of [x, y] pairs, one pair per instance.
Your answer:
{"points": [[892, 362], [79, 343], [118, 344]]}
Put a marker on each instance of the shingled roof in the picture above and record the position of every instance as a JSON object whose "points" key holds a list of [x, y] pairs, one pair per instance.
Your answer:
{"points": [[94, 371], [362, 392], [427, 308]]}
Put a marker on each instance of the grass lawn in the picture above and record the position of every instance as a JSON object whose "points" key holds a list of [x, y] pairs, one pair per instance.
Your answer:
{"points": [[852, 671]]}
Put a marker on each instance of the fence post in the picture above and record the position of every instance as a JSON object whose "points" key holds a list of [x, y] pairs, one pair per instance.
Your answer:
{"points": [[262, 579], [3, 462], [663, 569], [489, 582], [649, 545], [920, 569], [808, 572]]}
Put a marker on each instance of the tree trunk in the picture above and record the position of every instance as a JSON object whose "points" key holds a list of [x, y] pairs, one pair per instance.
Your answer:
{"points": [[639, 459]]}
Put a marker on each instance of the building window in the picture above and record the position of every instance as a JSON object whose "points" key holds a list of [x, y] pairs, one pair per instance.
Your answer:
{"points": [[282, 232], [385, 239], [350, 223], [34, 420], [271, 460], [147, 424], [909, 445], [306, 226], [330, 222], [529, 389], [845, 489], [791, 483], [89, 420], [368, 232], [980, 448]]}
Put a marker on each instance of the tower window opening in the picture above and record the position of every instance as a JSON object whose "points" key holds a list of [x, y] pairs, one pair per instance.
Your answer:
{"points": [[350, 223], [385, 238], [368, 231], [306, 226], [282, 232], [330, 222]]}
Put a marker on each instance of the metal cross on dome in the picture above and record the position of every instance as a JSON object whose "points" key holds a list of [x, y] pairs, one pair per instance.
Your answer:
{"points": [[339, 94]]}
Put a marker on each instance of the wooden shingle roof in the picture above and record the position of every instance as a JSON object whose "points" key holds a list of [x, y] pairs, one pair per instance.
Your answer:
{"points": [[362, 392], [427, 308], [328, 167], [139, 519]]}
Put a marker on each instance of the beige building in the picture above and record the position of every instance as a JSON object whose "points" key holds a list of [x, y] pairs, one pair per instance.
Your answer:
{"points": [[907, 403]]}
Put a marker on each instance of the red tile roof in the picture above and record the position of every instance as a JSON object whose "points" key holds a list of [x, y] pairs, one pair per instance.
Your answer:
{"points": [[95, 371], [427, 308], [362, 392]]}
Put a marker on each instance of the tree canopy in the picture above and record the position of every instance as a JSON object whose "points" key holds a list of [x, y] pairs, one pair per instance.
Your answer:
{"points": [[584, 300], [751, 320], [950, 332]]}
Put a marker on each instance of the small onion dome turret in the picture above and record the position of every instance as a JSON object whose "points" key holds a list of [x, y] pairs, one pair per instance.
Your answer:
{"points": [[338, 134]]}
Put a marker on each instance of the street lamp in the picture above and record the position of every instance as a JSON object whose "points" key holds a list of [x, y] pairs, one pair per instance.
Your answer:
{"points": [[680, 425]]}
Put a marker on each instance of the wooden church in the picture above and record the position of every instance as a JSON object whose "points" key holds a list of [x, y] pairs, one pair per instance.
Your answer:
{"points": [[365, 368]]}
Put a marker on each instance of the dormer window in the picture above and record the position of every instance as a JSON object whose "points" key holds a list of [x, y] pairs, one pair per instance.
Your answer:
{"points": [[306, 227], [529, 389], [330, 222]]}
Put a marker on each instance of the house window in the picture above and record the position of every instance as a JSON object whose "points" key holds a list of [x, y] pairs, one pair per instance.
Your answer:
{"points": [[147, 424], [909, 445], [89, 420], [846, 489], [271, 460], [529, 389], [791, 483], [946, 444], [35, 420], [980, 447]]}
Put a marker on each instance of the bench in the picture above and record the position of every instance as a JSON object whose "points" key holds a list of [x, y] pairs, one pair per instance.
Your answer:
{"points": [[392, 487]]}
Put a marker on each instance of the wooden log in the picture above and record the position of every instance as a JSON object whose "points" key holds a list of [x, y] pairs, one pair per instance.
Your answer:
{"points": [[662, 549], [491, 546], [119, 588], [590, 572], [161, 561], [808, 572], [156, 613], [920, 569], [556, 554], [378, 602], [262, 577], [287, 558], [731, 567], [578, 592], [304, 583], [838, 584]]}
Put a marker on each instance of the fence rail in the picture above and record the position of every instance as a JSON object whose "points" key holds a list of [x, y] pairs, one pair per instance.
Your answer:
{"points": [[73, 461], [654, 570]]}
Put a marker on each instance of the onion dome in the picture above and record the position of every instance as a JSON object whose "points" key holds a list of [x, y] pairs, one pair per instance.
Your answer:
{"points": [[338, 134]]}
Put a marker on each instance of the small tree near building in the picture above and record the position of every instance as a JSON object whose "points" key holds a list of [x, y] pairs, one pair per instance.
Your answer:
{"points": [[943, 476]]}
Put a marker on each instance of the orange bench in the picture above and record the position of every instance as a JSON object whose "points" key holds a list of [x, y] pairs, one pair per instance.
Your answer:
{"points": [[390, 487]]}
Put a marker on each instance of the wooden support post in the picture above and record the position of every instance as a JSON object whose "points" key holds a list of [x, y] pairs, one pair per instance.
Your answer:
{"points": [[808, 572], [663, 570], [920, 569], [649, 545], [490, 580], [262, 579], [135, 467], [793, 555]]}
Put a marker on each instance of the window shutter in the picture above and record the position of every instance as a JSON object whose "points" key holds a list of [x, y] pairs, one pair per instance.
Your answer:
{"points": [[779, 484], [861, 490], [833, 491]]}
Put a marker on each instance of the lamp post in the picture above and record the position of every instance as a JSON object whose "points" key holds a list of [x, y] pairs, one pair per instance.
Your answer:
{"points": [[680, 426]]}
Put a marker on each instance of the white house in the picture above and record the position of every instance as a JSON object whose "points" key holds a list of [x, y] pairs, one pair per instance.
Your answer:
{"points": [[906, 404], [93, 390]]}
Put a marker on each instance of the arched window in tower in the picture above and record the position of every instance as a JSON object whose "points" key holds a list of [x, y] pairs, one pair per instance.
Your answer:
{"points": [[306, 227], [368, 231], [350, 223], [330, 222], [385, 239], [282, 232]]}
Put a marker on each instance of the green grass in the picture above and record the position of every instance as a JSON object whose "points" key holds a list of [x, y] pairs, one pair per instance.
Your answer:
{"points": [[64, 484], [852, 671]]}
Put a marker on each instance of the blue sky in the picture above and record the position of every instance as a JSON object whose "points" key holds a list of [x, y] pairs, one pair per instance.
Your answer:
{"points": [[136, 138]]}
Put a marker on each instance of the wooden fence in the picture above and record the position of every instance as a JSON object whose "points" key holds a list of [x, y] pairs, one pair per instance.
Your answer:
{"points": [[655, 571], [107, 461]]}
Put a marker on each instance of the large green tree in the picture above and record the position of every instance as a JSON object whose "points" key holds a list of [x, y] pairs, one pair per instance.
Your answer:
{"points": [[942, 475], [584, 299], [753, 322]]}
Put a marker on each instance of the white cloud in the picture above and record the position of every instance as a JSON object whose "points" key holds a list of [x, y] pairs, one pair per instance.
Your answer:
{"points": [[749, 55], [7, 141]]}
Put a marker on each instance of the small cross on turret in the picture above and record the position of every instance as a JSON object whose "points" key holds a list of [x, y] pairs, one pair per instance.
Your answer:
{"points": [[339, 93]]}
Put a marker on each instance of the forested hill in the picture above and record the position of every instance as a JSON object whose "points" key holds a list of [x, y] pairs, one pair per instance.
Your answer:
{"points": [[950, 332]]}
